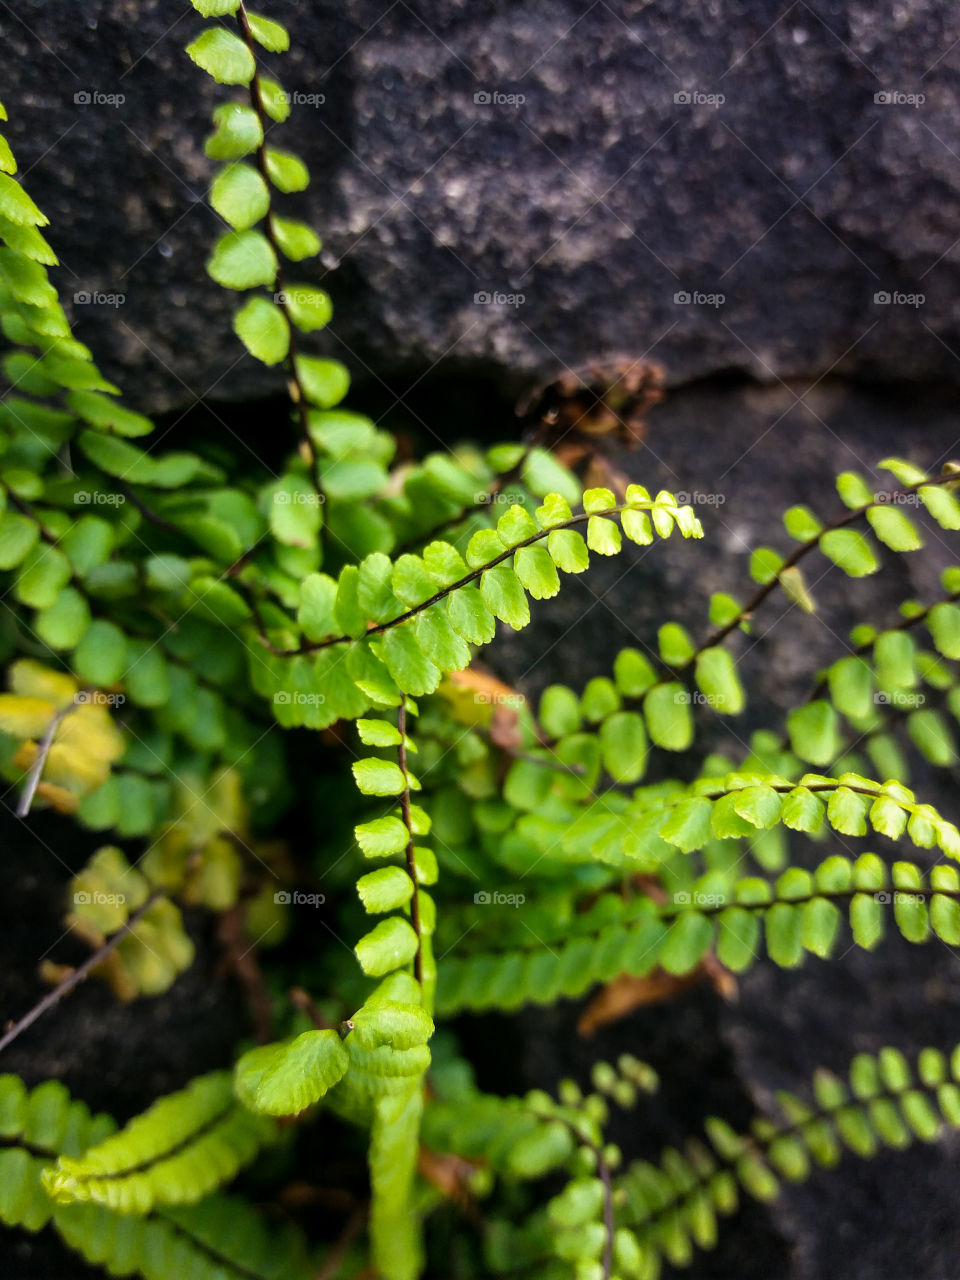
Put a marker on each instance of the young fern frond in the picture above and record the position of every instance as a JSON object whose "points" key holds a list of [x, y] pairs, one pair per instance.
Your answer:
{"points": [[185, 1146], [220, 1238]]}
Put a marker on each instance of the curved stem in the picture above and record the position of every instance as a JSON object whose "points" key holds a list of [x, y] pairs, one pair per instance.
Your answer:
{"points": [[77, 976]]}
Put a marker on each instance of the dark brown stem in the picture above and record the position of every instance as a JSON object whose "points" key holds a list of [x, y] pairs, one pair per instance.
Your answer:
{"points": [[78, 975], [295, 383], [411, 857]]}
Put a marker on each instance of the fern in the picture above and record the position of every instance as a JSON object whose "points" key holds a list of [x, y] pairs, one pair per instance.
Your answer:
{"points": [[170, 609], [219, 1236]]}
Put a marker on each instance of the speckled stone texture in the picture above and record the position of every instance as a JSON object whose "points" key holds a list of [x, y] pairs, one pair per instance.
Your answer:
{"points": [[536, 150]]}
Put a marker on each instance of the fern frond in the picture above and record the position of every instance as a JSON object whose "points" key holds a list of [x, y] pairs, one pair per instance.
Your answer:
{"points": [[186, 1145]]}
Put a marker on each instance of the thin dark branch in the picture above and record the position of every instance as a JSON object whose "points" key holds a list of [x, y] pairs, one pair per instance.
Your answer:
{"points": [[36, 769], [78, 975]]}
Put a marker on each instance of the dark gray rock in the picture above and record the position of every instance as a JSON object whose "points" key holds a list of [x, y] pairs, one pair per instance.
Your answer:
{"points": [[598, 197]]}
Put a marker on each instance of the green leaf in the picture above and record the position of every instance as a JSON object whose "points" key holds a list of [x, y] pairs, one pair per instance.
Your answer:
{"points": [[637, 527], [718, 680], [759, 805], [931, 735], [942, 505], [222, 55], [866, 920], [296, 240], [689, 939], [101, 656], [16, 205], [505, 597], [568, 550], [895, 529], [64, 622], [389, 946], [803, 811], [853, 490], [286, 171], [944, 623], [623, 744], [263, 330], [242, 260], [106, 414], [215, 8], [324, 382], [559, 711], [378, 777], [385, 889], [381, 837], [600, 699], [238, 132], [271, 35], [407, 663], [676, 647], [819, 925], [765, 564], [470, 617], [18, 536], [738, 938], [802, 524], [283, 1079], [689, 825], [850, 551], [543, 475], [43, 574], [536, 572], [666, 708], [318, 592], [814, 732], [239, 194], [308, 308], [632, 673], [296, 512], [603, 536], [782, 929], [850, 681], [847, 811], [894, 654], [276, 103]]}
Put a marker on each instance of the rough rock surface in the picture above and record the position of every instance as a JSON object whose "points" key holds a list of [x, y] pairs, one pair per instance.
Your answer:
{"points": [[536, 150]]}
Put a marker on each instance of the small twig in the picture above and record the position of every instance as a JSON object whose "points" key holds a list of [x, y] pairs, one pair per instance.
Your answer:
{"points": [[304, 1001], [148, 513], [36, 769], [411, 856], [79, 974]]}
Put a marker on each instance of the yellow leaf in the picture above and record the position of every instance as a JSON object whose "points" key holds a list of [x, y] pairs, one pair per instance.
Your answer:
{"points": [[25, 717], [34, 680]]}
